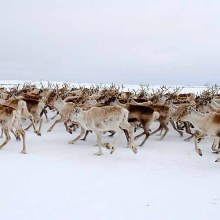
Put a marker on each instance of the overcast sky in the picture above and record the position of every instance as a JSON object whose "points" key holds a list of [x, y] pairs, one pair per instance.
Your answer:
{"points": [[120, 41]]}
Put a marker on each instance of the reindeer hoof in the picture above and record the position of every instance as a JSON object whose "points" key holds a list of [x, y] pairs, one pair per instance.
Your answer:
{"points": [[215, 152], [218, 160], [106, 145], [134, 150], [23, 152], [18, 139], [199, 152], [187, 139], [112, 150], [72, 142], [98, 154], [70, 131]]}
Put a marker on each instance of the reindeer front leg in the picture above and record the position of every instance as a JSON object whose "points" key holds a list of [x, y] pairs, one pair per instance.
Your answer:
{"points": [[1, 136], [57, 121], [22, 132], [198, 150], [82, 132], [215, 146], [33, 123], [99, 141], [6, 132]]}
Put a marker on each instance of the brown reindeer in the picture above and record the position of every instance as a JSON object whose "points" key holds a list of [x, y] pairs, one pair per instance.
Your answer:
{"points": [[144, 114], [21, 105]]}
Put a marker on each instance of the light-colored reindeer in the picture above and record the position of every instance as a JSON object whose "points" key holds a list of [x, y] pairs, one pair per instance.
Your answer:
{"points": [[101, 119], [11, 118]]}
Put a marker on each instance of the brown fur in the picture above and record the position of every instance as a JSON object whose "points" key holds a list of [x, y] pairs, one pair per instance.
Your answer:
{"points": [[7, 109], [32, 96], [51, 96], [13, 102], [139, 109], [143, 114], [181, 111], [216, 118]]}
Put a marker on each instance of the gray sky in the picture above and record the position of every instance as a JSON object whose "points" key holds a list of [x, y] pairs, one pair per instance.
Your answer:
{"points": [[120, 41]]}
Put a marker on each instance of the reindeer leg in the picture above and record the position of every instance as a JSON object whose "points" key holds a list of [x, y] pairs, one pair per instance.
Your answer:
{"points": [[215, 146], [166, 131], [161, 131], [33, 123], [55, 115], [189, 138], [1, 136], [6, 132], [86, 134], [137, 136], [22, 132], [187, 127], [126, 132], [17, 136], [129, 133], [26, 129], [40, 125], [83, 131], [112, 146], [45, 113], [175, 128], [198, 150], [57, 121], [146, 131], [160, 127], [66, 126], [99, 141]]}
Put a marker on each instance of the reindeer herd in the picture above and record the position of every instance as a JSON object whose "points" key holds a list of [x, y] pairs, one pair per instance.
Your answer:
{"points": [[101, 109]]}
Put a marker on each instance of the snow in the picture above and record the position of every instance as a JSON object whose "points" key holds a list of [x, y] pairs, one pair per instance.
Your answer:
{"points": [[185, 88], [165, 180], [55, 180]]}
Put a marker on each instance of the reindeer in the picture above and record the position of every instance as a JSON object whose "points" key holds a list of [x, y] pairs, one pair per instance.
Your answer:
{"points": [[35, 107], [11, 118], [100, 119], [207, 125], [165, 116], [21, 105], [64, 109], [144, 114]]}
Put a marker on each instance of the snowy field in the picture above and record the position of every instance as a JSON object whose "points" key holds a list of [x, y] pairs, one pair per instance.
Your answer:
{"points": [[165, 180], [185, 89]]}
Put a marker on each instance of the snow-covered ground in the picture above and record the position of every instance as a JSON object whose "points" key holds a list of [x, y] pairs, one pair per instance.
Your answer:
{"points": [[165, 180], [185, 88]]}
